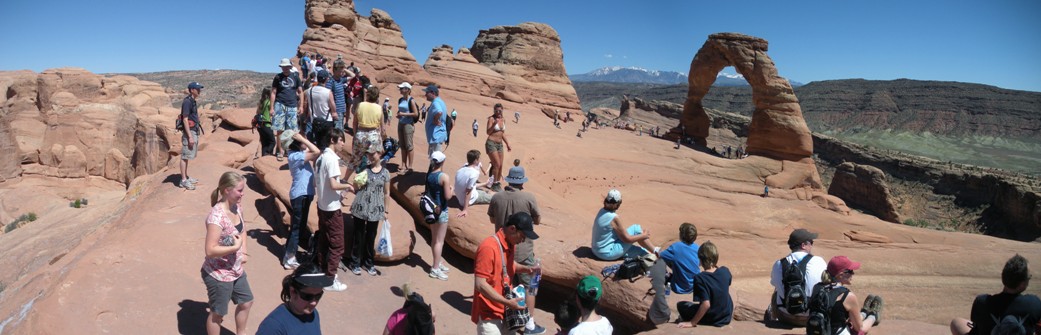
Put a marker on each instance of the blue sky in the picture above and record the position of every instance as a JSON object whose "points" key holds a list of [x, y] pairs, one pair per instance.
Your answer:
{"points": [[991, 42]]}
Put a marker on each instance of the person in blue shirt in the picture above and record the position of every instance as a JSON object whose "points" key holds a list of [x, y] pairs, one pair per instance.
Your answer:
{"points": [[712, 304], [682, 258], [298, 313], [338, 85], [437, 132]]}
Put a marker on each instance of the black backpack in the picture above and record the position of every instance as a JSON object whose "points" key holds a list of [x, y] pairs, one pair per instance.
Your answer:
{"points": [[1008, 325], [793, 276], [430, 210], [821, 305]]}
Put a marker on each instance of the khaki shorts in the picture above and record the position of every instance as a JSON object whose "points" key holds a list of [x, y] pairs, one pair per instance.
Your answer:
{"points": [[492, 146], [405, 133], [187, 153]]}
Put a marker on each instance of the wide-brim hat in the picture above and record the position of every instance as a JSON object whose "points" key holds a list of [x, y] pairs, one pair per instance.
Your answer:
{"points": [[286, 139], [516, 176], [285, 62]]}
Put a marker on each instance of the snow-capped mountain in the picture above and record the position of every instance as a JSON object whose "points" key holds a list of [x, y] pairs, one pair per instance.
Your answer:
{"points": [[619, 74]]}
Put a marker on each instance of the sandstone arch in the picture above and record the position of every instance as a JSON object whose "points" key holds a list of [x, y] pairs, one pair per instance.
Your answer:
{"points": [[778, 129]]}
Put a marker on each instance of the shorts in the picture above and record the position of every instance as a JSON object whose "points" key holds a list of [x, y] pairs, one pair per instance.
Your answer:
{"points": [[285, 118], [492, 327], [434, 147], [186, 153], [492, 146], [525, 277], [618, 249], [363, 141], [220, 292], [443, 218], [405, 133]]}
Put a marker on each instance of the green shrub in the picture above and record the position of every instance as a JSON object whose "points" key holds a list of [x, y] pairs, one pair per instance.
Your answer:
{"points": [[27, 217], [75, 204]]}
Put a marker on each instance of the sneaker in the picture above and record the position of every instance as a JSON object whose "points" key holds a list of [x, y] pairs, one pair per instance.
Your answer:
{"points": [[291, 264], [436, 273], [536, 331], [873, 306], [497, 187], [186, 185], [337, 286], [356, 270], [278, 156], [444, 269], [193, 180], [372, 271]]}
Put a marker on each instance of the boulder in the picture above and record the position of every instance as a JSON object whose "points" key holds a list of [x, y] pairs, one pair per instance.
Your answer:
{"points": [[529, 58], [864, 187], [238, 118], [778, 129], [242, 137], [461, 72]]}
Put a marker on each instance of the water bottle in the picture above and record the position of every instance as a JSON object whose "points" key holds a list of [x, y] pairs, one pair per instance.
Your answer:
{"points": [[518, 292], [536, 277]]}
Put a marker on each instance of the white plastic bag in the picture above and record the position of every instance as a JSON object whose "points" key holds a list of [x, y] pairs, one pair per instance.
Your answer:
{"points": [[385, 248]]}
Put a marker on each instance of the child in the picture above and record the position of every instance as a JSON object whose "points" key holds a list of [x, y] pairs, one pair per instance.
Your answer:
{"points": [[712, 292]]}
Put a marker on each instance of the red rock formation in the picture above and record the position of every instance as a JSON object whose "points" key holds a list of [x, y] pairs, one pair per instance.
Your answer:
{"points": [[373, 43], [865, 187], [465, 74], [778, 129], [530, 59], [72, 123]]}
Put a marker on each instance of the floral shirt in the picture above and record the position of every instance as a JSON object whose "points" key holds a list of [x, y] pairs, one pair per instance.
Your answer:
{"points": [[228, 267]]}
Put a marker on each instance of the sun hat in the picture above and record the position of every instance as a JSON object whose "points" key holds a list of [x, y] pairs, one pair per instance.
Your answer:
{"points": [[437, 157], [613, 196], [285, 62], [287, 139], [589, 289], [405, 85], [840, 264], [516, 176]]}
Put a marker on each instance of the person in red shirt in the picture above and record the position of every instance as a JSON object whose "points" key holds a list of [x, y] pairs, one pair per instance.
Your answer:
{"points": [[489, 305]]}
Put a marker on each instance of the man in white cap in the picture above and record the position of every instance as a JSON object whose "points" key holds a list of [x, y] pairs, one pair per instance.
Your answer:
{"points": [[286, 90], [514, 200]]}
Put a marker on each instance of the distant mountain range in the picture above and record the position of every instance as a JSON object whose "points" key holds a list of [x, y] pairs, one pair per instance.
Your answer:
{"points": [[618, 74]]}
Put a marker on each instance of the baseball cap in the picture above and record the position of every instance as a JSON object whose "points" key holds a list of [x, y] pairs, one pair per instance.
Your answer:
{"points": [[589, 289], [285, 62], [318, 280], [323, 75], [194, 85], [405, 85], [800, 236], [516, 176], [524, 223], [613, 196], [437, 157], [431, 88], [840, 264]]}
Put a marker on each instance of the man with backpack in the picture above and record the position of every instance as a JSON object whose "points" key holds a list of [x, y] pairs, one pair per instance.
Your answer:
{"points": [[793, 278], [1007, 312], [190, 130], [286, 90]]}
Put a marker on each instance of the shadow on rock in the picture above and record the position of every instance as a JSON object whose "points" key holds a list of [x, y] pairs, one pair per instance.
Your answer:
{"points": [[191, 318]]}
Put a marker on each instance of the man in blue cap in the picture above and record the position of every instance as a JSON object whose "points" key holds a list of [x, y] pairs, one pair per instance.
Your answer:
{"points": [[503, 205], [190, 132], [437, 133]]}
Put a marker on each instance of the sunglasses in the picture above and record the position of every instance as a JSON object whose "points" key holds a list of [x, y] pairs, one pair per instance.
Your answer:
{"points": [[310, 297], [850, 272]]}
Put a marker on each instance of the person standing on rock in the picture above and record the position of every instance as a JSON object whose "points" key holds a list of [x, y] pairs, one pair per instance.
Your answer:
{"points": [[466, 192], [301, 192], [225, 248], [368, 209], [368, 128], [286, 90], [1010, 302], [190, 133], [800, 242], [408, 112], [438, 188], [496, 129], [329, 238], [436, 126], [505, 204], [494, 269], [263, 123], [320, 106], [298, 313], [338, 85], [589, 292], [610, 240]]}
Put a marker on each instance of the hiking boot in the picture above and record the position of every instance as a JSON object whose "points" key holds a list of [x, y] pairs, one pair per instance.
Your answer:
{"points": [[187, 185], [873, 307], [535, 331], [437, 274], [337, 286], [444, 269], [356, 270], [372, 271]]}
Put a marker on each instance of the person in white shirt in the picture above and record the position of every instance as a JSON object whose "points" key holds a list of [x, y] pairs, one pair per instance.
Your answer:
{"points": [[588, 297], [329, 238], [466, 192], [800, 242]]}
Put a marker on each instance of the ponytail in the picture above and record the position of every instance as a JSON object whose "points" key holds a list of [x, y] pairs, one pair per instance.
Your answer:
{"points": [[227, 180]]}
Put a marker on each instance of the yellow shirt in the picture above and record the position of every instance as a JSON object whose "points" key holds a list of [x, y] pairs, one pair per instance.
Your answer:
{"points": [[369, 115]]}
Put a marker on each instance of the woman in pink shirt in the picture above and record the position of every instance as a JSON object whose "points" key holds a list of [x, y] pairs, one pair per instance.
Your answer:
{"points": [[225, 249]]}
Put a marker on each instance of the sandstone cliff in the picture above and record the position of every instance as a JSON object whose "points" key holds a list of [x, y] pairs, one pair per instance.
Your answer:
{"points": [[530, 59], [465, 74], [71, 123], [864, 186]]}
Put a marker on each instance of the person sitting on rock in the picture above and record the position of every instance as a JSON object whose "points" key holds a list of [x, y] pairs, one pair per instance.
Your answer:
{"points": [[713, 305], [847, 316], [800, 242], [989, 312], [610, 240], [682, 258]]}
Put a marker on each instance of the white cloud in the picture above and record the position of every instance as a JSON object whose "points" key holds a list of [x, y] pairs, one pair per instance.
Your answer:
{"points": [[608, 56]]}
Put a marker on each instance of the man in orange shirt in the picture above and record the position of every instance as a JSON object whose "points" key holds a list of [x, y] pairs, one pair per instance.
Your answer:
{"points": [[494, 257]]}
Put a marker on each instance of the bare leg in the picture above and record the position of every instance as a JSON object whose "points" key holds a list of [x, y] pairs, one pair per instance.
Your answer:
{"points": [[213, 324], [241, 316], [439, 230], [498, 167], [493, 168], [960, 326], [184, 170]]}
